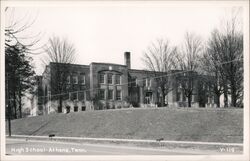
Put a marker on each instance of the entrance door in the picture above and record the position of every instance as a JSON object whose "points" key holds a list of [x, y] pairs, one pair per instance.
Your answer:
{"points": [[148, 97]]}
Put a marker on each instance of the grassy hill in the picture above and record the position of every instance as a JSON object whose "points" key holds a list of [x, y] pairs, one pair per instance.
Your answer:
{"points": [[215, 125]]}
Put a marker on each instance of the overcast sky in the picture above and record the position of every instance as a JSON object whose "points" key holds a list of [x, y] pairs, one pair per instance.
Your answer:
{"points": [[102, 33]]}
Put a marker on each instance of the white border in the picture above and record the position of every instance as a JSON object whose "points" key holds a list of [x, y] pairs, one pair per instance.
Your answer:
{"points": [[245, 5]]}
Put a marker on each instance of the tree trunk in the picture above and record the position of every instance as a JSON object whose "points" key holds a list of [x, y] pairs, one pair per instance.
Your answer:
{"points": [[189, 100], [158, 98], [225, 92], [233, 94], [20, 105], [217, 100], [14, 104], [163, 98], [60, 104], [9, 118], [20, 98], [8, 105]]}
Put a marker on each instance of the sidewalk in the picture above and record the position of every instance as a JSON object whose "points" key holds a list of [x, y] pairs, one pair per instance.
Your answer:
{"points": [[187, 145]]}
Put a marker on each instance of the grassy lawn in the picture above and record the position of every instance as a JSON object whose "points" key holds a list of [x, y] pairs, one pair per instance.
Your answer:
{"points": [[186, 124]]}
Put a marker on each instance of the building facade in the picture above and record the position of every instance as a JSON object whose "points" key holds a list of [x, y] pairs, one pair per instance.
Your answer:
{"points": [[72, 87]]}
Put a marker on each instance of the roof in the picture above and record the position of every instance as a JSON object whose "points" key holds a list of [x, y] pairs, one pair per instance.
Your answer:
{"points": [[103, 63], [53, 63]]}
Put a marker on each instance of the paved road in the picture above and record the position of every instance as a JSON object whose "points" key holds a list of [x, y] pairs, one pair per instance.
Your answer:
{"points": [[35, 147]]}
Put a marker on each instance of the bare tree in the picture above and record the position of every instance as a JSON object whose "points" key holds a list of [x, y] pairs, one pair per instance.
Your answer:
{"points": [[60, 52], [188, 61], [159, 58], [17, 32], [225, 60], [230, 54], [233, 50], [210, 66]]}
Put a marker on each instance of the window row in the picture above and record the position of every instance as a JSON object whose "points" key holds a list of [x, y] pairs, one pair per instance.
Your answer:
{"points": [[110, 94], [109, 79], [74, 87], [77, 96], [76, 79], [145, 82], [76, 109]]}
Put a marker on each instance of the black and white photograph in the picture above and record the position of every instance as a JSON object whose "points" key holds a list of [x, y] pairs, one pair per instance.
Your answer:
{"points": [[125, 80]]}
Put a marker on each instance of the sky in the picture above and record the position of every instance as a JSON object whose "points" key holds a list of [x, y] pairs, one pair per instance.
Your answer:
{"points": [[102, 33]]}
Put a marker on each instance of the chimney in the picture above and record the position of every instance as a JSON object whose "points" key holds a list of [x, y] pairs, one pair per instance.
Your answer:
{"points": [[127, 59]]}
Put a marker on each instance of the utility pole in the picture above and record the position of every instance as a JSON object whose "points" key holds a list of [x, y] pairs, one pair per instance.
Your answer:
{"points": [[8, 105]]}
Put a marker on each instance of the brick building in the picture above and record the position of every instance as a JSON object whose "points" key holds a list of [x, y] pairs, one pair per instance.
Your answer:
{"points": [[73, 87]]}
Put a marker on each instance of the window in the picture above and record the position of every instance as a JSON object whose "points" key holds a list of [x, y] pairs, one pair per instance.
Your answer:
{"points": [[61, 76], [110, 79], [203, 86], [82, 87], [75, 87], [148, 82], [75, 79], [110, 94], [118, 79], [83, 108], [144, 81], [67, 87], [81, 95], [68, 79], [75, 108], [118, 95], [102, 94], [179, 86], [82, 78], [101, 77], [74, 96], [133, 82]]}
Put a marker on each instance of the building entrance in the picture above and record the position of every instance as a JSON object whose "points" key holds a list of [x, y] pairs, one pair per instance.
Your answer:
{"points": [[148, 97]]}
